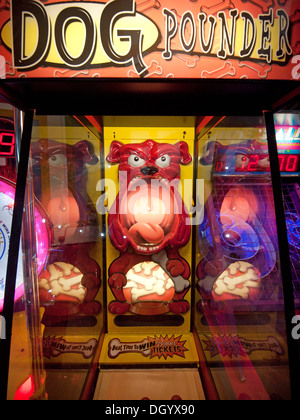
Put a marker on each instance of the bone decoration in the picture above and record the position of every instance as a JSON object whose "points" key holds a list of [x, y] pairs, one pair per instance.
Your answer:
{"points": [[238, 279], [64, 279], [147, 278]]}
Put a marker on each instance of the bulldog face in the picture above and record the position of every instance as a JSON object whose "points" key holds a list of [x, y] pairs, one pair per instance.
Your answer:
{"points": [[148, 212], [149, 159]]}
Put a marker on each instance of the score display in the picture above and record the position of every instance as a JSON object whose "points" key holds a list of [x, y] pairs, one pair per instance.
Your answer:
{"points": [[260, 163], [7, 144]]}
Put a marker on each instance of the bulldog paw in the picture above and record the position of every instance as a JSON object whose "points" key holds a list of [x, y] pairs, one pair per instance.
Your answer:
{"points": [[117, 281], [118, 308], [180, 307], [175, 267], [90, 308]]}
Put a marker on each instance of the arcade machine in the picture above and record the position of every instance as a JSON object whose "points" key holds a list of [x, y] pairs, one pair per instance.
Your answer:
{"points": [[26, 378], [149, 350], [239, 315], [63, 284], [65, 159], [156, 270], [288, 144], [159, 276]]}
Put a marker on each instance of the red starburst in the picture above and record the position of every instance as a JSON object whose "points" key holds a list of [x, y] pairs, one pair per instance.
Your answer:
{"points": [[167, 347]]}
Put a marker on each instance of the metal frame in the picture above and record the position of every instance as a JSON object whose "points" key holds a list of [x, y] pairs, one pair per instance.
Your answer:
{"points": [[13, 255], [148, 108], [283, 245]]}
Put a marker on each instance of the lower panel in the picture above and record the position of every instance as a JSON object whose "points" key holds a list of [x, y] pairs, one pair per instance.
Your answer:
{"points": [[151, 384]]}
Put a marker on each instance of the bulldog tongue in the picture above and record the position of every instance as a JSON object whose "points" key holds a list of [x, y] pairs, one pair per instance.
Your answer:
{"points": [[146, 233]]}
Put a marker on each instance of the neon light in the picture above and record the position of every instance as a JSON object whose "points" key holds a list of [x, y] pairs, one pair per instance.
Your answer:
{"points": [[252, 165], [291, 164], [285, 134], [287, 163], [219, 166], [7, 196], [7, 144], [25, 391], [244, 165]]}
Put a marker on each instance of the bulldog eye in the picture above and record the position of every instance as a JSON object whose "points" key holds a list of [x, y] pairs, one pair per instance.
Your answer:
{"points": [[136, 161], [163, 161], [57, 160]]}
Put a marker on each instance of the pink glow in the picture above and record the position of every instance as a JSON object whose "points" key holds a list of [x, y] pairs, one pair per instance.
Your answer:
{"points": [[7, 194], [25, 391]]}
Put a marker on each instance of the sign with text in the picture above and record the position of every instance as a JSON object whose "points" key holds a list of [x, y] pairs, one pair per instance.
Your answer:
{"points": [[236, 39]]}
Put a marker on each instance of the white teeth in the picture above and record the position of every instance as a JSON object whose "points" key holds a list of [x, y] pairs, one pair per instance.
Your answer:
{"points": [[134, 179], [137, 178]]}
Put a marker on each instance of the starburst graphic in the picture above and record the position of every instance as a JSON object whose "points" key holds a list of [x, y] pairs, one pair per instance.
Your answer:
{"points": [[167, 347], [225, 345]]}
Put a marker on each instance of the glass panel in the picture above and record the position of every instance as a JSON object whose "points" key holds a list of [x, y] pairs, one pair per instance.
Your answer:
{"points": [[66, 167], [239, 306], [288, 144], [26, 375], [87, 293]]}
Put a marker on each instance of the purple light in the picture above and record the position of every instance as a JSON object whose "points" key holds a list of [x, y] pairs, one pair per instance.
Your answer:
{"points": [[7, 196]]}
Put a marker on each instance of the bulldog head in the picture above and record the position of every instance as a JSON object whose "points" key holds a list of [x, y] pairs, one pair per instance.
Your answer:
{"points": [[149, 159], [148, 213], [60, 176]]}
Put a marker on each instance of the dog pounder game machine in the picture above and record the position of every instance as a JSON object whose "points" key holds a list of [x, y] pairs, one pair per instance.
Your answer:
{"points": [[150, 261], [148, 254], [287, 134], [239, 277]]}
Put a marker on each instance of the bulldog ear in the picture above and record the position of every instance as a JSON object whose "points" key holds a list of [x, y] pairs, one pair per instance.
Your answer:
{"points": [[184, 152], [85, 151], [114, 153]]}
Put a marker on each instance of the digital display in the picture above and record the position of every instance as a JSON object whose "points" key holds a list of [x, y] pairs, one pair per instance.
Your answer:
{"points": [[7, 144], [289, 163], [261, 163]]}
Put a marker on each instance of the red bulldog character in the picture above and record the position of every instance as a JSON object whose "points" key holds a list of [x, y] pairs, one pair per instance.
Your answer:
{"points": [[147, 223], [69, 284]]}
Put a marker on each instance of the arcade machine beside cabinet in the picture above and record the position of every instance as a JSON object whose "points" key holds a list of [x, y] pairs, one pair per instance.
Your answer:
{"points": [[239, 277], [288, 144], [146, 249]]}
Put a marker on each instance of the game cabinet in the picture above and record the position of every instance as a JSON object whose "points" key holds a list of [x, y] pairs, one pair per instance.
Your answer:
{"points": [[239, 314]]}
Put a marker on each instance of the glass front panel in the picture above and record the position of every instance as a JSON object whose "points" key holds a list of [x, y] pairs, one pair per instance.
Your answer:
{"points": [[26, 374], [155, 254], [66, 168], [288, 144], [239, 302]]}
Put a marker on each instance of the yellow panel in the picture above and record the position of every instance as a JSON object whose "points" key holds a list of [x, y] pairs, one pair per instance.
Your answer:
{"points": [[161, 129], [145, 348]]}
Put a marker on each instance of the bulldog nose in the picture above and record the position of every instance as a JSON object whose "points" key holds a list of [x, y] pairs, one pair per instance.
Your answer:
{"points": [[149, 170]]}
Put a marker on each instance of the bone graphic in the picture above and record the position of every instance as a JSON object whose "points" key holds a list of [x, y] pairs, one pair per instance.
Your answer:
{"points": [[145, 5], [296, 48], [161, 259], [226, 70], [271, 344], [66, 73], [116, 347], [190, 61], [261, 70], [10, 70], [223, 5], [60, 346], [264, 5], [153, 69], [2, 67], [295, 17]]}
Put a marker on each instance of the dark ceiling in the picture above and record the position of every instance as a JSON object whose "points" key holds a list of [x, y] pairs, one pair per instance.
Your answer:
{"points": [[150, 96]]}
